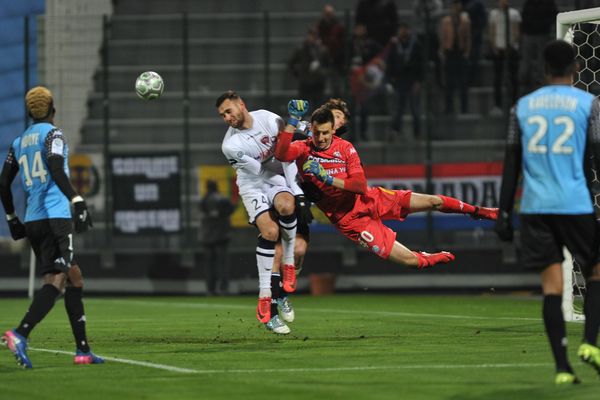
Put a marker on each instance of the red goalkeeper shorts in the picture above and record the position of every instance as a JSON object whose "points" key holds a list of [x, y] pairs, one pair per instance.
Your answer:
{"points": [[364, 224]]}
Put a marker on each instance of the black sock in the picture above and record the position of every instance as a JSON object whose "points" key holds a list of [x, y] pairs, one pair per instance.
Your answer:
{"points": [[276, 283], [74, 307], [275, 292], [591, 309], [556, 331], [42, 303], [276, 288]]}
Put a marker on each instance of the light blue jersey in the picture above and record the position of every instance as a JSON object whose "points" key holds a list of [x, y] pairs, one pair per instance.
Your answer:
{"points": [[553, 123], [31, 149]]}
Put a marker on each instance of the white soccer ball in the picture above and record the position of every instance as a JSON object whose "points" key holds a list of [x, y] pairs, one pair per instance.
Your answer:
{"points": [[149, 85]]}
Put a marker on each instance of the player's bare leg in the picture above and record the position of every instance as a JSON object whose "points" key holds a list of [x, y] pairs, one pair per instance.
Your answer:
{"points": [[417, 259], [285, 205], [425, 202]]}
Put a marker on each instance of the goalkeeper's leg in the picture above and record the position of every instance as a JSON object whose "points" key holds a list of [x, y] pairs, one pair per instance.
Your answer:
{"points": [[553, 318], [589, 351], [424, 202]]}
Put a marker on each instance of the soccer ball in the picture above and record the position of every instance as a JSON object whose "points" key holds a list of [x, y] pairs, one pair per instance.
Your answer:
{"points": [[149, 85]]}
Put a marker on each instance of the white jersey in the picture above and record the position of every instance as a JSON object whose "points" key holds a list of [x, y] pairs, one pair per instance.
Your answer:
{"points": [[251, 153]]}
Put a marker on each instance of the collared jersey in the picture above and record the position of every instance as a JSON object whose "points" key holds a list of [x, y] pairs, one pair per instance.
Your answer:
{"points": [[31, 151], [251, 153], [552, 126], [341, 161]]}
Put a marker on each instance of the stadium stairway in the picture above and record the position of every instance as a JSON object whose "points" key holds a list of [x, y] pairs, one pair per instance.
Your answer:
{"points": [[227, 52]]}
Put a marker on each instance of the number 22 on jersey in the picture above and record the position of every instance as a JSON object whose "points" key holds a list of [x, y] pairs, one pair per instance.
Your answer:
{"points": [[37, 169], [558, 147]]}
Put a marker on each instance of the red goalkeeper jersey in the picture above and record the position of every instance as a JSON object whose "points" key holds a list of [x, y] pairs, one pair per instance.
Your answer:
{"points": [[340, 160]]}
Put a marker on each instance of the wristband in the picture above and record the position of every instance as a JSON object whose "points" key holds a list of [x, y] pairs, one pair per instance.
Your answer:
{"points": [[329, 180], [293, 121], [76, 199], [10, 217]]}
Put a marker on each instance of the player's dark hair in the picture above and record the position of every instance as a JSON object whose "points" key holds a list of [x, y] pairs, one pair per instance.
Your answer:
{"points": [[559, 58], [228, 95], [338, 104], [322, 115]]}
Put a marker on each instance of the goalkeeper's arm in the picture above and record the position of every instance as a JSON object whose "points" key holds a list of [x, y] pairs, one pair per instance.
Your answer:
{"points": [[354, 183], [512, 165], [593, 131]]}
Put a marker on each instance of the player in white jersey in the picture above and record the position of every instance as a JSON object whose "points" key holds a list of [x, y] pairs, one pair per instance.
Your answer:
{"points": [[265, 185]]}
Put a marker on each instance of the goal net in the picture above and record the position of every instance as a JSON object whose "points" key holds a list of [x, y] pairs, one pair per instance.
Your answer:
{"points": [[582, 29]]}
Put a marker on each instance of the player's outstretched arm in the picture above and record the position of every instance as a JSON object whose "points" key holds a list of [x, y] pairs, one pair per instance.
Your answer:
{"points": [[284, 150], [354, 183], [510, 178]]}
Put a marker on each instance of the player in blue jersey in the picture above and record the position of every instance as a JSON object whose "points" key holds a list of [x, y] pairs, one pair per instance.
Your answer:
{"points": [[552, 133], [41, 155]]}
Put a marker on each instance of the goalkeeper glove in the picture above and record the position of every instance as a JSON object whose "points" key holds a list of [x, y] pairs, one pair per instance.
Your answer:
{"points": [[296, 109], [17, 229], [82, 217], [313, 167], [503, 227], [303, 212], [427, 260]]}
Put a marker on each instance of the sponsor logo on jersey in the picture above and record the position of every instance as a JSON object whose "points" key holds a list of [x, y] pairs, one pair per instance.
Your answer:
{"points": [[322, 160]]}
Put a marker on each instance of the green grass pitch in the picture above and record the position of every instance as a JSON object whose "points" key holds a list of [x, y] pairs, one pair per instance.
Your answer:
{"points": [[359, 346]]}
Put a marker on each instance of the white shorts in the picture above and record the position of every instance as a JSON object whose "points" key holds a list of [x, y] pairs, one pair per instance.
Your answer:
{"points": [[259, 201]]}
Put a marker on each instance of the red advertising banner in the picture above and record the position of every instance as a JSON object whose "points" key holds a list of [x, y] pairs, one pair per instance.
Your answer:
{"points": [[476, 183]]}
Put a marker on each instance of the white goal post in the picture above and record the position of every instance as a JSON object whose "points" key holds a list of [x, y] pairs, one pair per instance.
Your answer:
{"points": [[566, 20], [586, 40]]}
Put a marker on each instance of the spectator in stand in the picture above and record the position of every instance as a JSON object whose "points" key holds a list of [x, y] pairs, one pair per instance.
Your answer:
{"points": [[309, 65], [405, 72], [537, 28], [367, 75], [331, 33], [501, 50], [380, 17], [427, 15], [478, 16], [455, 39], [215, 234]]}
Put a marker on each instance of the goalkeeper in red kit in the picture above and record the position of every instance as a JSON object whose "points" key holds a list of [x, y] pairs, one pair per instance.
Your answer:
{"points": [[331, 166]]}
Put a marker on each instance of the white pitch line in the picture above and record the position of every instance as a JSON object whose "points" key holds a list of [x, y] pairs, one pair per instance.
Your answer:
{"points": [[322, 310], [126, 361], [295, 370]]}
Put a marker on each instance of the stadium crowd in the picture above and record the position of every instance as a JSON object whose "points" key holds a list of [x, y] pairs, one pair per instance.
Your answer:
{"points": [[382, 64]]}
